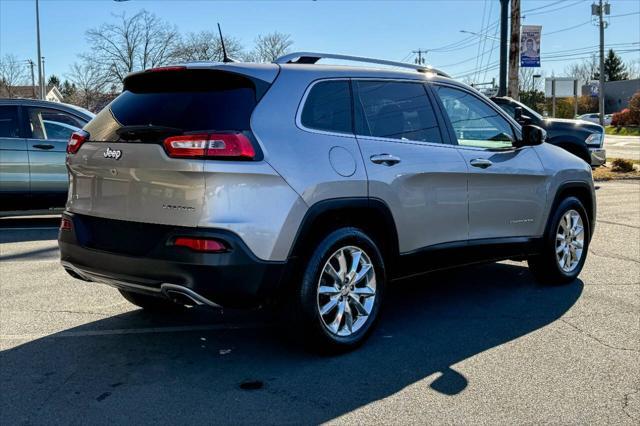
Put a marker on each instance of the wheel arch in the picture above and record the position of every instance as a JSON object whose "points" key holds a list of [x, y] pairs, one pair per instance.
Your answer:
{"points": [[372, 215], [583, 192]]}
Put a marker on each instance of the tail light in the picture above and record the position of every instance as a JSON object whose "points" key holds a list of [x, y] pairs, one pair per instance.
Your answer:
{"points": [[201, 244], [66, 224], [76, 140], [216, 145]]}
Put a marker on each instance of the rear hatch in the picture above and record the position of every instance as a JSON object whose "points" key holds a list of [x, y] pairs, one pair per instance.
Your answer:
{"points": [[125, 169]]}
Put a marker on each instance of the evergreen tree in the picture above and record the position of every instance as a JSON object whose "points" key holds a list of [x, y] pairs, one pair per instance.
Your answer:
{"points": [[68, 91], [54, 81], [614, 68]]}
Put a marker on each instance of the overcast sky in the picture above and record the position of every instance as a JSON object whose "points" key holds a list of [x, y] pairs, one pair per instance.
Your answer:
{"points": [[382, 29]]}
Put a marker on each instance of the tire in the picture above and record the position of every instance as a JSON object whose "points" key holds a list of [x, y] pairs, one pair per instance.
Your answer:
{"points": [[150, 303], [329, 294], [553, 266]]}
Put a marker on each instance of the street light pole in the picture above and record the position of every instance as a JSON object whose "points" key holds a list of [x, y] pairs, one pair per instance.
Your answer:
{"points": [[40, 88], [44, 78], [33, 79]]}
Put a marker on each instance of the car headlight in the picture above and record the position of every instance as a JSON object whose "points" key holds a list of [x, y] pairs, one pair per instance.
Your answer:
{"points": [[594, 139]]}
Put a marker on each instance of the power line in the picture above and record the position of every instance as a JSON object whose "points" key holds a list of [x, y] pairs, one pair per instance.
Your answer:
{"points": [[544, 6], [483, 39], [525, 13], [545, 58]]}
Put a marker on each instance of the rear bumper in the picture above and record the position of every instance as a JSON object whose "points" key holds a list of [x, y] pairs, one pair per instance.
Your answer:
{"points": [[232, 278], [598, 156]]}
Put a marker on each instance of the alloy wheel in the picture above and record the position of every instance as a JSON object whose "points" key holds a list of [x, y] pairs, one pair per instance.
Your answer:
{"points": [[346, 291], [569, 241]]}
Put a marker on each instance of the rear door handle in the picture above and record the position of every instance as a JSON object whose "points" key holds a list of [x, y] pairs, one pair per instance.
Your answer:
{"points": [[483, 163], [43, 146], [386, 159]]}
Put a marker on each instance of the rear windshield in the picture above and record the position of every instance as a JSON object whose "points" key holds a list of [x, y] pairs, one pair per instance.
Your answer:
{"points": [[189, 100]]}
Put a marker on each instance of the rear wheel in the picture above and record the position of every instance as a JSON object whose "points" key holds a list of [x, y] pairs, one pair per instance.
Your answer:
{"points": [[150, 303], [338, 300], [565, 246]]}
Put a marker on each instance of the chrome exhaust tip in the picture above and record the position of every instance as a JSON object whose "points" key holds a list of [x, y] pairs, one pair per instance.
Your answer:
{"points": [[186, 296]]}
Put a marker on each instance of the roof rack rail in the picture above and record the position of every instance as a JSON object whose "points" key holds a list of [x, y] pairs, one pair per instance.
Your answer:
{"points": [[313, 57]]}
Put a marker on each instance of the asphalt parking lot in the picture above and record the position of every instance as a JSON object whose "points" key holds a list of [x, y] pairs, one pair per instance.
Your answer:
{"points": [[482, 344], [627, 147]]}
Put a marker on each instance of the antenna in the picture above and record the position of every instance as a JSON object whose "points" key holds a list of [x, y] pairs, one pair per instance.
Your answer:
{"points": [[225, 58]]}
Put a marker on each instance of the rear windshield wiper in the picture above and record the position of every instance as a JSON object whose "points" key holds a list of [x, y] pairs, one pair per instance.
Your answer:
{"points": [[146, 131]]}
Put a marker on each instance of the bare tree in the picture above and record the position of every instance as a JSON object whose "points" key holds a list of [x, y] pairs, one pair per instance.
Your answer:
{"points": [[133, 43], [633, 68], [527, 82], [205, 46], [89, 84], [13, 72], [583, 71], [269, 47]]}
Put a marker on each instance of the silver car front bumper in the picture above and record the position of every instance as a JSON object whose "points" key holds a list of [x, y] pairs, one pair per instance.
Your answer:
{"points": [[598, 156]]}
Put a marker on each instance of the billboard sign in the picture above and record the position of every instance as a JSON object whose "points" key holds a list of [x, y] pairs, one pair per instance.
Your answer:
{"points": [[530, 46]]}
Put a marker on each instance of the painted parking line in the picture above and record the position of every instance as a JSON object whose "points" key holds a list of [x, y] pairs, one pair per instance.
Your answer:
{"points": [[150, 330]]}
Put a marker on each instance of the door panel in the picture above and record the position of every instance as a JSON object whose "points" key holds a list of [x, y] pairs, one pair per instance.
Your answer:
{"points": [[14, 161], [50, 130], [507, 191], [422, 179], [507, 198], [426, 191]]}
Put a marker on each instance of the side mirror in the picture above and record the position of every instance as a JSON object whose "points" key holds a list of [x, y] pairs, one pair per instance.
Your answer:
{"points": [[531, 136], [521, 118]]}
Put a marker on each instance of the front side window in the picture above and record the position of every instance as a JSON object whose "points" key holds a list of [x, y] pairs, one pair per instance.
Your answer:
{"points": [[474, 122], [328, 107], [9, 124], [396, 110], [50, 124]]}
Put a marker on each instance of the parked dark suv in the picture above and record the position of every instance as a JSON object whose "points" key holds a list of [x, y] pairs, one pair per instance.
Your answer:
{"points": [[228, 184], [579, 137]]}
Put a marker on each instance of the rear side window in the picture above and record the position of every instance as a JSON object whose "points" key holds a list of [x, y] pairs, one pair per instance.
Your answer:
{"points": [[397, 110], [188, 100], [328, 107], [9, 125]]}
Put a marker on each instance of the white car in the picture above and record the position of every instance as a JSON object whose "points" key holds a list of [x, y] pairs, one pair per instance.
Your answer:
{"points": [[595, 118]]}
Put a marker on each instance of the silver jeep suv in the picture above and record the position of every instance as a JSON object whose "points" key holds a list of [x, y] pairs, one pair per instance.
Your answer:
{"points": [[232, 184]]}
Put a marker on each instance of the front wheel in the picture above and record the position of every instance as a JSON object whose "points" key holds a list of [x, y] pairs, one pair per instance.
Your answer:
{"points": [[565, 246], [338, 300]]}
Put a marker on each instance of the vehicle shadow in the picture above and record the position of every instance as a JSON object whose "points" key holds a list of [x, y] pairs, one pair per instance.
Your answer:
{"points": [[95, 374], [16, 230]]}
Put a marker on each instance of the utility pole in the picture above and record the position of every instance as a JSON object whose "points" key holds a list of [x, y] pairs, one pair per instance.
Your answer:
{"points": [[514, 50], [41, 89], [504, 21], [420, 60], [33, 79], [600, 10]]}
